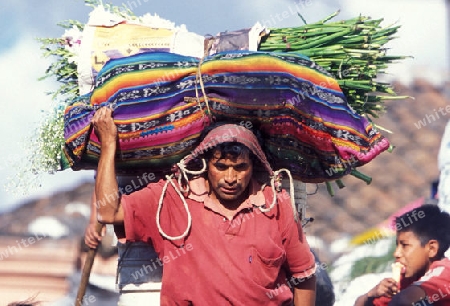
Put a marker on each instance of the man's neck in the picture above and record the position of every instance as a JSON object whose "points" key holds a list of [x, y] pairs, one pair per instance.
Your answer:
{"points": [[229, 208]]}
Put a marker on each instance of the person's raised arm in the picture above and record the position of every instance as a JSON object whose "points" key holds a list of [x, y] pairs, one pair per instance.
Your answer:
{"points": [[106, 189]]}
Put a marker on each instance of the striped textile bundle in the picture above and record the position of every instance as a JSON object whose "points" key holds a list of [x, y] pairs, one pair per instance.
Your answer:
{"points": [[302, 113]]}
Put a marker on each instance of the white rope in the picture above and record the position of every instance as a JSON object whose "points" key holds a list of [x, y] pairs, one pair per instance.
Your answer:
{"points": [[160, 204], [184, 171], [291, 191], [274, 200], [199, 79]]}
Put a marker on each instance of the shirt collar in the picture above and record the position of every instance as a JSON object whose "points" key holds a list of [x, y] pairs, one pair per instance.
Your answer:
{"points": [[199, 191]]}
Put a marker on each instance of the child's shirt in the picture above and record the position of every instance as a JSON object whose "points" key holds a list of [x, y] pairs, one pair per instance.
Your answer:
{"points": [[436, 283]]}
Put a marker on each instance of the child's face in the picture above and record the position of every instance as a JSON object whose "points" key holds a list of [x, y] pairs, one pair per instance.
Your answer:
{"points": [[411, 254]]}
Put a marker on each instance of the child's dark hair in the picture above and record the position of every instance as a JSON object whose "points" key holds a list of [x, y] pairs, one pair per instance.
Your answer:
{"points": [[427, 222]]}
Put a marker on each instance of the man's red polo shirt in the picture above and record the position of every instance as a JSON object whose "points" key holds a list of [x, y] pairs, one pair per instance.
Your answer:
{"points": [[244, 261]]}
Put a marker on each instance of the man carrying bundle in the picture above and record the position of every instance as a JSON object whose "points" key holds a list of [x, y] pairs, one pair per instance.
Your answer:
{"points": [[223, 238]]}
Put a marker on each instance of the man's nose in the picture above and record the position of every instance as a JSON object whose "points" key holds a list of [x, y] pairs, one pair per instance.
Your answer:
{"points": [[230, 175]]}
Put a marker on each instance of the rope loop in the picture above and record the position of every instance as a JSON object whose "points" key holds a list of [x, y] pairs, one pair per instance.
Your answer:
{"points": [[183, 176], [160, 205], [275, 183]]}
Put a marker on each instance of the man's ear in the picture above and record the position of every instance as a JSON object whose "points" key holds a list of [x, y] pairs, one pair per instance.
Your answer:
{"points": [[433, 248]]}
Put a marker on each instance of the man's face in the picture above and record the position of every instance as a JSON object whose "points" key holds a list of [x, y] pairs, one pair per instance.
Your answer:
{"points": [[229, 177], [411, 254]]}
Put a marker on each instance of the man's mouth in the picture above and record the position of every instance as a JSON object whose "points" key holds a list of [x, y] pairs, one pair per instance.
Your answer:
{"points": [[228, 190]]}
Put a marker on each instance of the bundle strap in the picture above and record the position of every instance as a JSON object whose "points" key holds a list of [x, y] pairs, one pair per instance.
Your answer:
{"points": [[199, 80]]}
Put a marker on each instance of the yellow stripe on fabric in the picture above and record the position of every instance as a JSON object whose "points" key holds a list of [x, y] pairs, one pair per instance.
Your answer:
{"points": [[269, 64], [137, 78]]}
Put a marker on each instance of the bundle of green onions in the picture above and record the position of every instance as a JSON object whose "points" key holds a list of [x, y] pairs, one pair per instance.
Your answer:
{"points": [[352, 50]]}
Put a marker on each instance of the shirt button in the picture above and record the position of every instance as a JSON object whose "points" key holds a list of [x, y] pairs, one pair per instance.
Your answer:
{"points": [[224, 219]]}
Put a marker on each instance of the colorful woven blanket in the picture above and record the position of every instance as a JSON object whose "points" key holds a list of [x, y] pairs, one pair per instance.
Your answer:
{"points": [[162, 102]]}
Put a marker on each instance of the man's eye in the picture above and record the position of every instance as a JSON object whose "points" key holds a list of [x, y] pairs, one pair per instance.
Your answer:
{"points": [[241, 167], [220, 167]]}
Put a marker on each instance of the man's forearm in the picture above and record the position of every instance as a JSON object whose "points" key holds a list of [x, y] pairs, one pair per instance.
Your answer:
{"points": [[93, 215], [305, 292], [106, 189]]}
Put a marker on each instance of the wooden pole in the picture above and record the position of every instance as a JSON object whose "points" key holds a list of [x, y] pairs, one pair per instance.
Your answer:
{"points": [[87, 267]]}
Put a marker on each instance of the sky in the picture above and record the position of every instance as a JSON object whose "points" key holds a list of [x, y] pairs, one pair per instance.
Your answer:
{"points": [[423, 35]]}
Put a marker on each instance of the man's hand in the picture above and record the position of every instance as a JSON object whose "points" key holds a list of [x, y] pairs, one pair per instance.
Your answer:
{"points": [[104, 125], [91, 237]]}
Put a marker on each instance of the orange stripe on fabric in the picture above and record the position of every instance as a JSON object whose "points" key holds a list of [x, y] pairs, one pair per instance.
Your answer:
{"points": [[77, 134], [180, 123]]}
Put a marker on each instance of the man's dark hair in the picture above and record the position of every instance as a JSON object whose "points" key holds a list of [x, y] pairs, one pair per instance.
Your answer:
{"points": [[427, 222], [233, 149]]}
